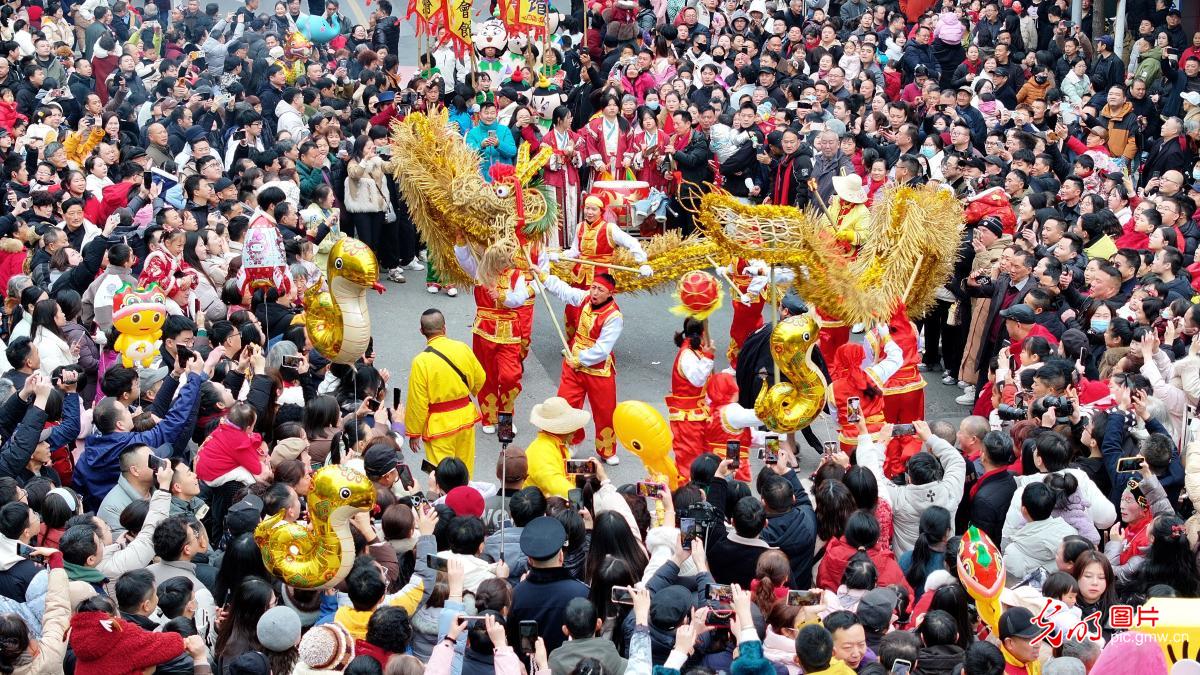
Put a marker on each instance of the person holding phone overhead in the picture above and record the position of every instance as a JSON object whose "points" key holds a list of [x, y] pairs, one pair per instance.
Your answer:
{"points": [[548, 453], [444, 378]]}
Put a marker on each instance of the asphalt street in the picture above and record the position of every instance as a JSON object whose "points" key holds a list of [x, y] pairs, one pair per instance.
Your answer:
{"points": [[644, 355], [644, 352]]}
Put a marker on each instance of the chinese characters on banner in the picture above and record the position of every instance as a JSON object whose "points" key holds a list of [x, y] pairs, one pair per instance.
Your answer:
{"points": [[456, 15], [429, 13], [1121, 617], [531, 16]]}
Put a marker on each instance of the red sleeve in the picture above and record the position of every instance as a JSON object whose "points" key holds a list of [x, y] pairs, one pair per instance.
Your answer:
{"points": [[1076, 145], [247, 456]]}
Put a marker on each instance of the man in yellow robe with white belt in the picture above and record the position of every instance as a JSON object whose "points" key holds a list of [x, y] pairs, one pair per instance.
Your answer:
{"points": [[440, 412]]}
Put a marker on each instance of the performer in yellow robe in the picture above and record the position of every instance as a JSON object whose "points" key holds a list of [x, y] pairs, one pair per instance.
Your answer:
{"points": [[547, 455], [848, 207], [440, 412]]}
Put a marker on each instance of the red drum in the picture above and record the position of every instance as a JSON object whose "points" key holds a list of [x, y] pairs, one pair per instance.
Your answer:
{"points": [[622, 192]]}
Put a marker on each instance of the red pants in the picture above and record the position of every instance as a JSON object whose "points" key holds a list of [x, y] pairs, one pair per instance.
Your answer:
{"points": [[688, 444], [746, 320], [902, 409], [601, 394], [503, 367]]}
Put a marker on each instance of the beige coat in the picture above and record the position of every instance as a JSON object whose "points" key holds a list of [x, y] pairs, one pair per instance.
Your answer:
{"points": [[55, 623], [983, 262], [366, 186]]}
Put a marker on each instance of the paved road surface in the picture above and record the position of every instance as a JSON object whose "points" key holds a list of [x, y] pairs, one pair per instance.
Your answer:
{"points": [[644, 355]]}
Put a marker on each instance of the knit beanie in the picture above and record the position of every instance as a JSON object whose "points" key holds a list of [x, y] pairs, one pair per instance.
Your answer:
{"points": [[105, 645], [328, 646]]}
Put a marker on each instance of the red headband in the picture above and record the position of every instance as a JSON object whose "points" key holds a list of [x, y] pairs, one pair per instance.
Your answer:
{"points": [[607, 283]]}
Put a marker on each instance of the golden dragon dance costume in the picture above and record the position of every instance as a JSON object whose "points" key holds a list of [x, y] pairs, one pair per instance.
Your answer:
{"points": [[440, 411]]}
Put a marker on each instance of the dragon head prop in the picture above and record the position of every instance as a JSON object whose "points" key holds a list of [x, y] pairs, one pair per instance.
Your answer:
{"points": [[297, 47]]}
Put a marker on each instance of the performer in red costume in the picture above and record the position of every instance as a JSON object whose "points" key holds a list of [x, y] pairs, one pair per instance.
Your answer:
{"points": [[687, 404], [497, 338], [729, 421], [750, 278], [596, 240], [854, 377], [588, 370], [904, 392], [562, 173]]}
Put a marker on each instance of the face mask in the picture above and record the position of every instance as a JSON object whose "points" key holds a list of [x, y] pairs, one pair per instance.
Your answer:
{"points": [[1196, 173], [1099, 325], [927, 151], [653, 105]]}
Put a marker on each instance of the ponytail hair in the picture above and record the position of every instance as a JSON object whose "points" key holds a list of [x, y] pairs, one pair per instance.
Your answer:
{"points": [[771, 573], [935, 523], [692, 333], [14, 641], [1063, 485], [860, 573]]}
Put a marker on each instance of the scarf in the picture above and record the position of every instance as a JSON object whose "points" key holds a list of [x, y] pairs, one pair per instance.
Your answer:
{"points": [[83, 573], [782, 194], [1033, 668], [985, 476], [1136, 544]]}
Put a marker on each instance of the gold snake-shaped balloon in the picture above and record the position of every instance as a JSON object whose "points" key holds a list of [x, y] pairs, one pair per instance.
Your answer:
{"points": [[337, 319], [321, 554], [793, 404]]}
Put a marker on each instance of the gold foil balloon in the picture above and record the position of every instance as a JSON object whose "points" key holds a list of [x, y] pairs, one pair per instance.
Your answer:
{"points": [[643, 431], [337, 319], [792, 404], [138, 315], [320, 554]]}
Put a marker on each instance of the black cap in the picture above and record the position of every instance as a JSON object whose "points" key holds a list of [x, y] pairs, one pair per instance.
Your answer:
{"points": [[543, 538], [380, 459], [249, 503], [993, 225], [134, 152], [1019, 313], [1018, 622], [222, 183]]}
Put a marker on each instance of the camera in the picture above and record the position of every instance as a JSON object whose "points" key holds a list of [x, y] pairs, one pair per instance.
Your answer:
{"points": [[1011, 413], [703, 514], [1061, 404], [408, 98]]}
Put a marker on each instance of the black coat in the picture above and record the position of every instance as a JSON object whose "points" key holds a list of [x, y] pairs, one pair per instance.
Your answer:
{"points": [[543, 597], [1165, 155], [990, 503], [694, 163], [730, 562], [795, 533]]}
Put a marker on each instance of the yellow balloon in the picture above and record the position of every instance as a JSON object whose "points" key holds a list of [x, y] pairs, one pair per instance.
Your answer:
{"points": [[793, 404], [318, 555], [643, 431], [138, 317], [337, 319]]}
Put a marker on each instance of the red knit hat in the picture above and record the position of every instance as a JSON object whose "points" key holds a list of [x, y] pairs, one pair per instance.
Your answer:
{"points": [[105, 645]]}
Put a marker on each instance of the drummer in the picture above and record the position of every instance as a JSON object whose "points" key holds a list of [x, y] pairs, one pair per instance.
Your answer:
{"points": [[596, 241]]}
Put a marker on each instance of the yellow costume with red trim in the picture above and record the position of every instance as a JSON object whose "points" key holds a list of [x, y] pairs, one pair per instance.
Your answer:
{"points": [[439, 410], [546, 456], [854, 222], [688, 412], [904, 392]]}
